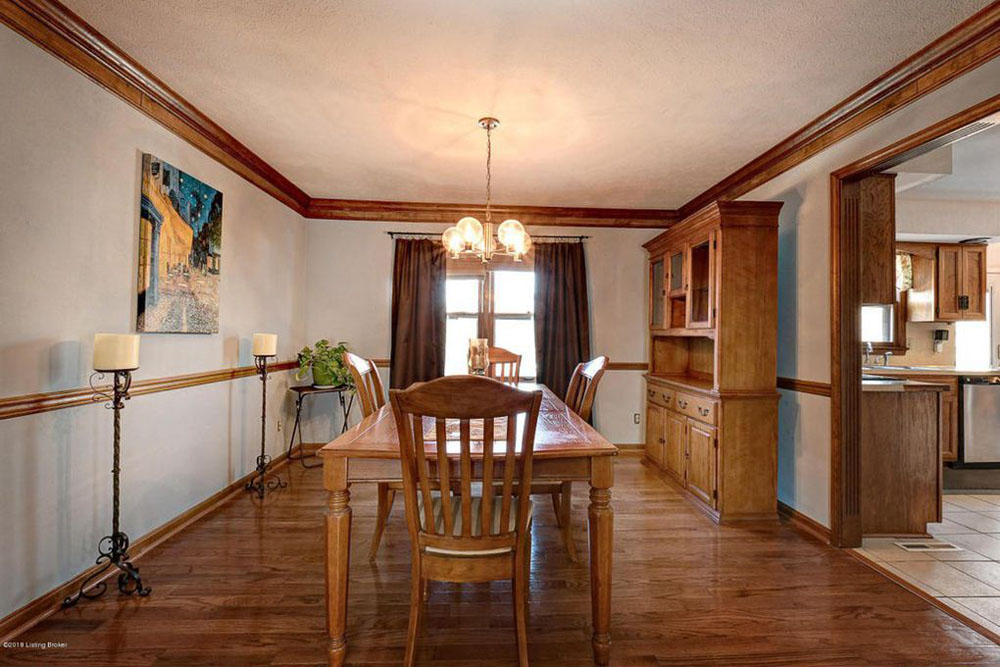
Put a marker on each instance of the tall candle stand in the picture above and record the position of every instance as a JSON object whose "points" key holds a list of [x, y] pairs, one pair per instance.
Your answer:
{"points": [[113, 548], [264, 480]]}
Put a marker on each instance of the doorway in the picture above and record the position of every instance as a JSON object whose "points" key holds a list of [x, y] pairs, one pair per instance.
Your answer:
{"points": [[846, 302]]}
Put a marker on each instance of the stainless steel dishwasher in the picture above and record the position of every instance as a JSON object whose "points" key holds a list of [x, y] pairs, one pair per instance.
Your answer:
{"points": [[981, 420]]}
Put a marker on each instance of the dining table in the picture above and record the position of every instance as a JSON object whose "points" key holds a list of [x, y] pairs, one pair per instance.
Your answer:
{"points": [[566, 448]]}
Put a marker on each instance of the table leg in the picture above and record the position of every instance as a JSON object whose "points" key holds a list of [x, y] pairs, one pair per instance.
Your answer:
{"points": [[295, 428], [601, 547], [338, 556], [345, 408]]}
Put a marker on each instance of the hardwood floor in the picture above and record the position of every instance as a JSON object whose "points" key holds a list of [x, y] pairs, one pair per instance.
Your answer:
{"points": [[245, 587]]}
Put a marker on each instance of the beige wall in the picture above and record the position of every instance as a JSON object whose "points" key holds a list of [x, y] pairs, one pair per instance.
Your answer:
{"points": [[69, 223], [804, 284], [349, 297]]}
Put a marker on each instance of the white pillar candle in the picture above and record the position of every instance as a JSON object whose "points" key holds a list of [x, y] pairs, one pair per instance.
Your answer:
{"points": [[116, 352], [265, 345]]}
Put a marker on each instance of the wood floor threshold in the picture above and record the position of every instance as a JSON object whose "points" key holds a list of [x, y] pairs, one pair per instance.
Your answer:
{"points": [[39, 609], [951, 611], [804, 523]]}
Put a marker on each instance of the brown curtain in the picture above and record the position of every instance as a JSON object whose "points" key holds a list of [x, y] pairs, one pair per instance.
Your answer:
{"points": [[419, 316], [562, 313]]}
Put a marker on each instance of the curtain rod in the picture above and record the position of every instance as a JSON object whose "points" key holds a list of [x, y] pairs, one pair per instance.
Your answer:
{"points": [[432, 235]]}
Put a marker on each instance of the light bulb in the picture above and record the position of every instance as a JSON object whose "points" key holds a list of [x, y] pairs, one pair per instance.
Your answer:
{"points": [[509, 232], [472, 229], [452, 240], [522, 244]]}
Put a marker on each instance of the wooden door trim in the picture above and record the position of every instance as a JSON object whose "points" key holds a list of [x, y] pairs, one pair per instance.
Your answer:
{"points": [[965, 47], [845, 300]]}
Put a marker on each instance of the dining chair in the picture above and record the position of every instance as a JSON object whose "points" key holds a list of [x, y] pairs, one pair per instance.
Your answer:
{"points": [[368, 386], [580, 399], [458, 532], [504, 365]]}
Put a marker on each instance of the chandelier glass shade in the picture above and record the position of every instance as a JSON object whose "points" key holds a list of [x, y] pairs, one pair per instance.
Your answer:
{"points": [[484, 240]]}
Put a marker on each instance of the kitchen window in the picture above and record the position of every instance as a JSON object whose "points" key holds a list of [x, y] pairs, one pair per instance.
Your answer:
{"points": [[496, 305]]}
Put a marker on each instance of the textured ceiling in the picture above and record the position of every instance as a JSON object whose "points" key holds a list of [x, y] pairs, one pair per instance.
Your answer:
{"points": [[616, 104]]}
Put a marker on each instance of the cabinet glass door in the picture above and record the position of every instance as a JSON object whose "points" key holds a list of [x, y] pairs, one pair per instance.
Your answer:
{"points": [[676, 273], [656, 301], [701, 267]]}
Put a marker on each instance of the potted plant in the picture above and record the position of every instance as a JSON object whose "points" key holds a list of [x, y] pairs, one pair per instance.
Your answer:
{"points": [[327, 364]]}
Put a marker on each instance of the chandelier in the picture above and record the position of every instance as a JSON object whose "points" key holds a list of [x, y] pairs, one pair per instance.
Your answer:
{"points": [[470, 237]]}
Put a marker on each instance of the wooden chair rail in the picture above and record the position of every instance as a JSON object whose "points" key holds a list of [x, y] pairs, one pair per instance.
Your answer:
{"points": [[30, 404]]}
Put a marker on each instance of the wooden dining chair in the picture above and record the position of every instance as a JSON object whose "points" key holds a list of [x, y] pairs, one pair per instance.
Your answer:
{"points": [[580, 399], [368, 386], [504, 365], [458, 532]]}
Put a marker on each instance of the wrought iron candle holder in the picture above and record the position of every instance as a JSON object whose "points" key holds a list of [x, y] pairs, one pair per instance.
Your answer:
{"points": [[113, 548], [264, 480]]}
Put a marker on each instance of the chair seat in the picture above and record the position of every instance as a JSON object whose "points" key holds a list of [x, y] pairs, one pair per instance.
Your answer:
{"points": [[477, 523]]}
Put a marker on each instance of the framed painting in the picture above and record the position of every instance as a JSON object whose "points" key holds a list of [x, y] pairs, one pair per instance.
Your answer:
{"points": [[180, 251]]}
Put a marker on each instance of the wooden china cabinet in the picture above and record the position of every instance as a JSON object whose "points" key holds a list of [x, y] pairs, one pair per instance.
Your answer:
{"points": [[711, 397]]}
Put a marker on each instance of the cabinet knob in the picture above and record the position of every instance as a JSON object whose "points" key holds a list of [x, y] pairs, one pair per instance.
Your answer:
{"points": [[703, 412], [682, 403]]}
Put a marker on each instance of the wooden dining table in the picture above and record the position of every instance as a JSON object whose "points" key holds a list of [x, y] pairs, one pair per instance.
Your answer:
{"points": [[566, 449]]}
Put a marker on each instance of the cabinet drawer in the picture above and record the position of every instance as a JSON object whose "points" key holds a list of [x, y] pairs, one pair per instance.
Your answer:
{"points": [[702, 409], [661, 396]]}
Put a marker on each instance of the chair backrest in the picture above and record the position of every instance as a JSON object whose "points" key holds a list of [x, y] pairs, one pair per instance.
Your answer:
{"points": [[474, 408], [367, 383], [504, 365], [583, 386]]}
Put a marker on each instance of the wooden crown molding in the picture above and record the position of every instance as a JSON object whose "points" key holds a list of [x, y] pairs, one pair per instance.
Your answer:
{"points": [[62, 33], [53, 27], [430, 212], [967, 46], [30, 404]]}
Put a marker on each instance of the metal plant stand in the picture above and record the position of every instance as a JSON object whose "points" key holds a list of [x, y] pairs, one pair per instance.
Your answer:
{"points": [[310, 390], [113, 548], [264, 480]]}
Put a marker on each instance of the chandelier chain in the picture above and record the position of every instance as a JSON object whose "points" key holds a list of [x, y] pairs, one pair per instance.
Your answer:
{"points": [[489, 175]]}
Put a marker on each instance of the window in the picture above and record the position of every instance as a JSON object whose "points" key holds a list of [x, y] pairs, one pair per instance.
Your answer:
{"points": [[972, 341], [498, 306], [876, 324]]}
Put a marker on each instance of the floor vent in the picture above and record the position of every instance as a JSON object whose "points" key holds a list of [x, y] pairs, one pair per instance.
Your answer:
{"points": [[928, 545]]}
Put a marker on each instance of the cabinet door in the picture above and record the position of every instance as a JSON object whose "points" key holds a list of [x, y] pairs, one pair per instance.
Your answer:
{"points": [[657, 282], [676, 285], [949, 426], [972, 298], [701, 284], [702, 462], [949, 282], [654, 433], [675, 447]]}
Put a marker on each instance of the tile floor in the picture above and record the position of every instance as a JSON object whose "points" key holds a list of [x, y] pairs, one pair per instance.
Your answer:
{"points": [[966, 580]]}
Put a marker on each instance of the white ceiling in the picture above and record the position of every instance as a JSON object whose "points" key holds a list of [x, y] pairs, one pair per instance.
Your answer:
{"points": [[974, 174], [618, 104]]}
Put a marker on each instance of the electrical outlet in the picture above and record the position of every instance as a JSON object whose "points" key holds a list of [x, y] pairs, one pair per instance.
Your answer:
{"points": [[279, 426], [635, 417]]}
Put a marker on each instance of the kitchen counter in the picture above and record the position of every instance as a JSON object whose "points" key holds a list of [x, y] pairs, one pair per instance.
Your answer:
{"points": [[899, 384], [929, 370]]}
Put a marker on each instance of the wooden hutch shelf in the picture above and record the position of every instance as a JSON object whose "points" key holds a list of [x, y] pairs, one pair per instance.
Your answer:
{"points": [[711, 395]]}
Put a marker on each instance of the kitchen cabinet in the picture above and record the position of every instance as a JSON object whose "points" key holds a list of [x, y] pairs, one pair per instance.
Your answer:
{"points": [[874, 199], [961, 282]]}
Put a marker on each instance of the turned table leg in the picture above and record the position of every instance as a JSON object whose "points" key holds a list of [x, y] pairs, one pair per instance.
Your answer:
{"points": [[601, 547], [338, 556]]}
